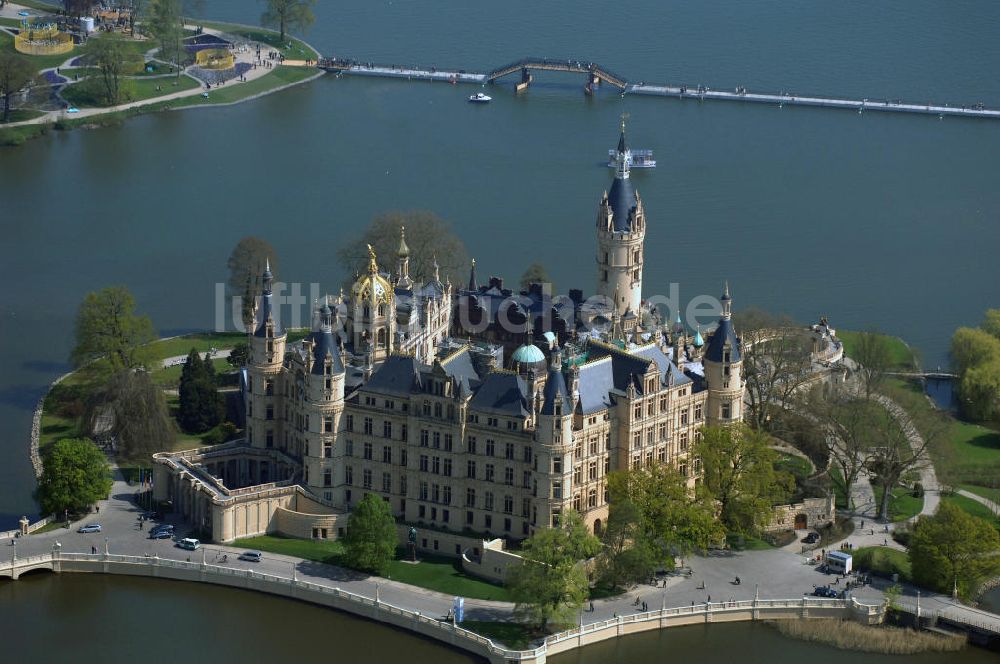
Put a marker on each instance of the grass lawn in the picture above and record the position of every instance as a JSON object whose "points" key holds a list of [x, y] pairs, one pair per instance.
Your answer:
{"points": [[512, 635], [902, 505], [837, 479], [21, 114], [434, 573], [964, 453], [883, 561], [799, 467], [49, 527], [900, 354], [200, 341], [972, 507], [12, 136], [985, 492], [39, 5], [89, 94], [231, 92], [55, 428], [293, 49], [170, 377]]}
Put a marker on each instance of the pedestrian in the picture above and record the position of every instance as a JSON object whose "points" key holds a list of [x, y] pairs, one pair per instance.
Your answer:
{"points": [[98, 507], [862, 523], [885, 542], [591, 606]]}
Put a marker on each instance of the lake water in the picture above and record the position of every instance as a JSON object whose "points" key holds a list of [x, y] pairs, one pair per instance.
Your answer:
{"points": [[870, 220]]}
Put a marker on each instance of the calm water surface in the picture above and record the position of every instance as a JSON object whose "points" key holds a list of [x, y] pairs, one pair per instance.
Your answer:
{"points": [[871, 220]]}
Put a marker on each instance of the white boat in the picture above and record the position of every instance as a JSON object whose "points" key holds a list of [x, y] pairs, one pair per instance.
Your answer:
{"points": [[480, 98]]}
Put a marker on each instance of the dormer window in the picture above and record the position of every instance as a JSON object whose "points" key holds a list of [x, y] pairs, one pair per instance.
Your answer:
{"points": [[726, 356]]}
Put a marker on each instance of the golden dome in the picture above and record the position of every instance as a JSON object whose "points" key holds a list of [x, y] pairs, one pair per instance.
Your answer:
{"points": [[372, 286]]}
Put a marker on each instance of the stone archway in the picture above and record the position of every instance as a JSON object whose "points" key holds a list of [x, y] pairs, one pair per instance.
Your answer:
{"points": [[598, 527], [801, 521]]}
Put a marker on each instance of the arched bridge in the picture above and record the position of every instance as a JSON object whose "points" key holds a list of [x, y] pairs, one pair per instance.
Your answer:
{"points": [[595, 70]]}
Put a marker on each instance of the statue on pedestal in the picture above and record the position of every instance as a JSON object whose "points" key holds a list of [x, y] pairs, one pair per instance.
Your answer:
{"points": [[412, 544]]}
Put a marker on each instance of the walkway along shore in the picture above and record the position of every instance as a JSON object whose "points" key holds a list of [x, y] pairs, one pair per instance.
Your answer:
{"points": [[373, 608]]}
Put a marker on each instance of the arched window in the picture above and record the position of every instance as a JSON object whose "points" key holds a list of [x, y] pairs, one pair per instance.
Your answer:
{"points": [[381, 338], [381, 310]]}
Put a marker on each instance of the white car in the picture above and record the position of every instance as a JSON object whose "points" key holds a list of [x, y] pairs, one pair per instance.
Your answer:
{"points": [[251, 556], [89, 528]]}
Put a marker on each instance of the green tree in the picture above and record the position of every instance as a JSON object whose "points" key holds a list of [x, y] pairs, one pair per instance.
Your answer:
{"points": [[239, 355], [246, 266], [739, 474], [370, 541], [289, 15], [551, 584], [429, 237], [954, 549], [111, 55], [975, 354], [873, 357], [201, 406], [107, 326], [893, 455], [16, 73], [654, 516], [536, 274], [628, 555], [991, 323], [75, 475], [132, 409], [165, 23]]}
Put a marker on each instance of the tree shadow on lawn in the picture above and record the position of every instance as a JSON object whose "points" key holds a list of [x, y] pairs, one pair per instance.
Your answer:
{"points": [[329, 569]]}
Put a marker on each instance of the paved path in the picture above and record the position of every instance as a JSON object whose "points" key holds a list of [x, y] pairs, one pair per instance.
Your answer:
{"points": [[993, 507], [928, 478], [247, 57], [181, 359]]}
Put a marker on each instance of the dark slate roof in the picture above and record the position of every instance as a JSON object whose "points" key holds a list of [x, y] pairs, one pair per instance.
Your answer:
{"points": [[621, 199], [460, 368], [621, 143], [399, 375], [666, 366], [554, 392], [596, 384], [265, 312], [326, 343], [503, 393], [723, 333]]}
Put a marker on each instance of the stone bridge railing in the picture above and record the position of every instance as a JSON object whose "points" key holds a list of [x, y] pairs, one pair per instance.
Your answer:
{"points": [[334, 597]]}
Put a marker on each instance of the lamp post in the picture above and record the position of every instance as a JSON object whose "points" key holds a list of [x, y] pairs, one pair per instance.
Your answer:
{"points": [[13, 551], [106, 552]]}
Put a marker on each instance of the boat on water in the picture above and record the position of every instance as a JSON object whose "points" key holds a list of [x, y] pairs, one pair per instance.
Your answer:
{"points": [[480, 98], [636, 158]]}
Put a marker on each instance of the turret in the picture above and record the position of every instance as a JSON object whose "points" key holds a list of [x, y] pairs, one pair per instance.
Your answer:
{"points": [[324, 404], [403, 265], [723, 362], [554, 438], [621, 232], [267, 352]]}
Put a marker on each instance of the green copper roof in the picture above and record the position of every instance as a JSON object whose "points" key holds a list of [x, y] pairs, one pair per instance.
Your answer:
{"points": [[528, 353]]}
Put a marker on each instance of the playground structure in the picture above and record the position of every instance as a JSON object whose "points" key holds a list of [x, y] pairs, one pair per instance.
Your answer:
{"points": [[42, 39], [215, 58]]}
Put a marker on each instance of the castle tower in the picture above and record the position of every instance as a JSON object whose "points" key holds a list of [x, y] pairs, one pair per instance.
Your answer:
{"points": [[267, 352], [374, 317], [621, 231], [324, 403], [723, 362], [554, 438], [403, 262]]}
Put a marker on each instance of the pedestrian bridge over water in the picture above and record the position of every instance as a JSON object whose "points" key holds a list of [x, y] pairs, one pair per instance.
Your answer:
{"points": [[597, 74]]}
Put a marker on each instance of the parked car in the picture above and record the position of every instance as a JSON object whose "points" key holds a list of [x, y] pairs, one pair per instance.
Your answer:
{"points": [[825, 591], [161, 534], [811, 538], [89, 528], [163, 527], [251, 556]]}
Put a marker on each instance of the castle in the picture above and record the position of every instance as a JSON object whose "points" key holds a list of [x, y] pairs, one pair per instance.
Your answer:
{"points": [[404, 390]]}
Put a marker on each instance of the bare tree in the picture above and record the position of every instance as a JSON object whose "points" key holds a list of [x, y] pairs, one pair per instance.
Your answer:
{"points": [[846, 423], [899, 447], [246, 267], [776, 362], [874, 359], [429, 238]]}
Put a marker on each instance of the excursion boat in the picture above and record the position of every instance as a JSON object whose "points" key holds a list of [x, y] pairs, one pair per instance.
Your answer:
{"points": [[636, 158], [480, 98]]}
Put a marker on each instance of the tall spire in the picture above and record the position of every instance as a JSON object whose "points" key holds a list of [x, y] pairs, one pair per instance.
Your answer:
{"points": [[267, 278], [403, 268], [473, 282], [624, 157], [727, 302], [437, 269]]}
